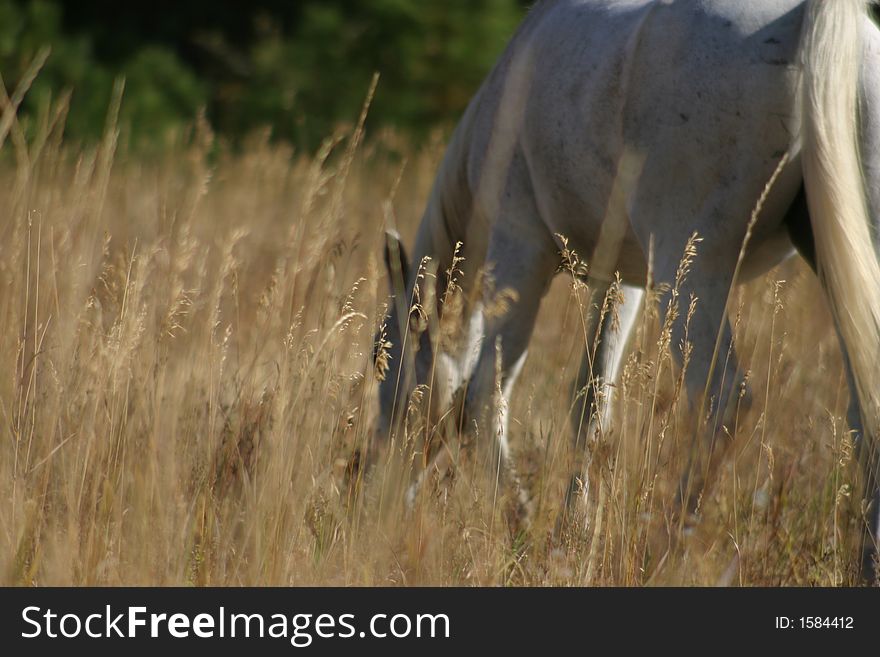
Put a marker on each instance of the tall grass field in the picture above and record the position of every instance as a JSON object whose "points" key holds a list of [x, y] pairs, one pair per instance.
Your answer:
{"points": [[186, 377]]}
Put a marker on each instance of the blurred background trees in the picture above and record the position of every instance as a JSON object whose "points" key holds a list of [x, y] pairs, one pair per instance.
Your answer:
{"points": [[299, 67]]}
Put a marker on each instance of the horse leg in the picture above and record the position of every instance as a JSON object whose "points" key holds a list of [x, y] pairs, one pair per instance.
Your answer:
{"points": [[715, 405], [868, 454], [522, 267], [521, 258], [606, 338], [711, 376], [797, 221], [869, 457]]}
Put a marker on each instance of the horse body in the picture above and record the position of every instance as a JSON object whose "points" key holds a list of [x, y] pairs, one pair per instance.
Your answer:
{"points": [[624, 127], [673, 83]]}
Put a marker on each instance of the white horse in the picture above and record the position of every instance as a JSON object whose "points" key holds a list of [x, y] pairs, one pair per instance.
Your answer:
{"points": [[629, 125]]}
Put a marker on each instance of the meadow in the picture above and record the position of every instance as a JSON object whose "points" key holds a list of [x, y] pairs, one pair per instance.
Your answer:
{"points": [[186, 371]]}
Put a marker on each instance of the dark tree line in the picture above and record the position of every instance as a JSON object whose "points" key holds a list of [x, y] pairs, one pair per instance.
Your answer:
{"points": [[299, 66]]}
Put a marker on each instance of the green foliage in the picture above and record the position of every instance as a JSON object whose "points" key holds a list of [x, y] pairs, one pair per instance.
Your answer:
{"points": [[300, 67], [431, 57], [162, 94]]}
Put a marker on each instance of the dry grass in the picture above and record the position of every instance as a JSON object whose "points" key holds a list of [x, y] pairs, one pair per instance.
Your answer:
{"points": [[186, 370]]}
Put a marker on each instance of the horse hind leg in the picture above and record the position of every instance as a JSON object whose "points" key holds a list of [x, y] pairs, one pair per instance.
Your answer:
{"points": [[713, 387], [868, 453], [867, 449], [522, 266], [797, 220], [607, 332], [711, 377], [870, 456]]}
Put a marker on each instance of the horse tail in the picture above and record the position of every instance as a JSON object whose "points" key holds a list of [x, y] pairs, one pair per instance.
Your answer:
{"points": [[832, 54]]}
